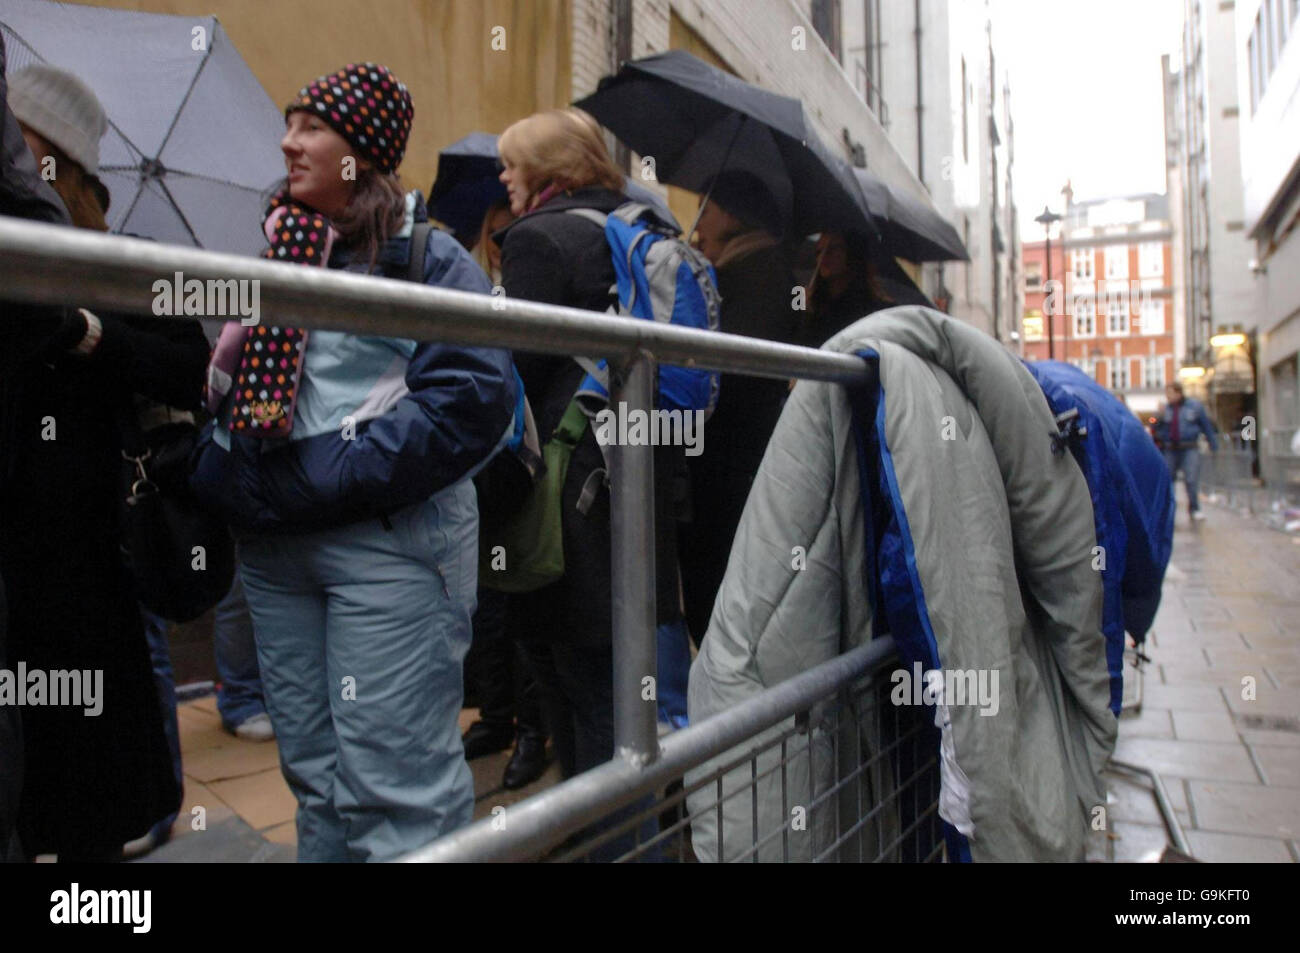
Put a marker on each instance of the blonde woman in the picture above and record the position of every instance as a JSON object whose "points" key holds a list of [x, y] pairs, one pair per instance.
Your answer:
{"points": [[554, 162]]}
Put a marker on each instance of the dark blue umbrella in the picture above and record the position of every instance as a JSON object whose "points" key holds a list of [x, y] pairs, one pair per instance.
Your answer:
{"points": [[467, 185]]}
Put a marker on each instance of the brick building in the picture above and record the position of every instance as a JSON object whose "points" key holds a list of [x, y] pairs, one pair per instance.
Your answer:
{"points": [[1111, 296]]}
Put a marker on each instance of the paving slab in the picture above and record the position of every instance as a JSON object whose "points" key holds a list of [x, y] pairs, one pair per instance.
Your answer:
{"points": [[231, 841], [1204, 726], [1189, 759], [1151, 723], [1134, 801], [1213, 848], [1190, 696], [1245, 808], [1280, 764], [234, 760], [262, 799]]}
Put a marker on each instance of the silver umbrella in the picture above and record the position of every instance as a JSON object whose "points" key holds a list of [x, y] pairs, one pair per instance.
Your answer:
{"points": [[193, 139]]}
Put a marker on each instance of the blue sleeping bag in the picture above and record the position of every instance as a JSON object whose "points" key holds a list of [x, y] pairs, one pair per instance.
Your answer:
{"points": [[1132, 503]]}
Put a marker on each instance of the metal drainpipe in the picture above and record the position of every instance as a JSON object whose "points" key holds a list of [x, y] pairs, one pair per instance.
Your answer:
{"points": [[620, 12], [920, 135]]}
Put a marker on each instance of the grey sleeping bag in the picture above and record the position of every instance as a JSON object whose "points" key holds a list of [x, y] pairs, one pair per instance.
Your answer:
{"points": [[1001, 532]]}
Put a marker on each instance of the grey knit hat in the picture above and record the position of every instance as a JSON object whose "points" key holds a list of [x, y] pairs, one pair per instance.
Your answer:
{"points": [[63, 109]]}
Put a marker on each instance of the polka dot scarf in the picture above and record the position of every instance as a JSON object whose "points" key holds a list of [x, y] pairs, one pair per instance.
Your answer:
{"points": [[368, 106], [270, 364]]}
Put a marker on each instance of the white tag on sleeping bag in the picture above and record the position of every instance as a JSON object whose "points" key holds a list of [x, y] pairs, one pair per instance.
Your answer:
{"points": [[954, 786]]}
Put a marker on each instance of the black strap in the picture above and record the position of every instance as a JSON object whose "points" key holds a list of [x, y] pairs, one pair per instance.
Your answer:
{"points": [[419, 245]]}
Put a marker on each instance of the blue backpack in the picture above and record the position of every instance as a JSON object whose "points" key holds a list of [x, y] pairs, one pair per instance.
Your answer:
{"points": [[659, 278]]}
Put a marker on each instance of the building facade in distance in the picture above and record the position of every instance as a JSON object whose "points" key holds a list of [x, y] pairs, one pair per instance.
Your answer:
{"points": [[1111, 296], [1268, 87]]}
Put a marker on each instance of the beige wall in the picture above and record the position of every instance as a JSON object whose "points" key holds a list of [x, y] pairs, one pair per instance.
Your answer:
{"points": [[442, 50]]}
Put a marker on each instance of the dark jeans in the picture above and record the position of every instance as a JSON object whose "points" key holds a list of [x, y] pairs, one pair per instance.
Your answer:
{"points": [[505, 686], [576, 683], [155, 630], [1189, 461]]}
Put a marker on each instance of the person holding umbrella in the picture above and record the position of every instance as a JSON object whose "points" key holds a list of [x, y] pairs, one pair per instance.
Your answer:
{"points": [[739, 229], [344, 465], [93, 783], [844, 288]]}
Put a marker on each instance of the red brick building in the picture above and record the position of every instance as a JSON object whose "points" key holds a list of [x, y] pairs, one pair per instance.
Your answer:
{"points": [[1111, 296]]}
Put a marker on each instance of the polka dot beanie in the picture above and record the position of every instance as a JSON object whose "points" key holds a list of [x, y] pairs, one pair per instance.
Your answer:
{"points": [[365, 104]]}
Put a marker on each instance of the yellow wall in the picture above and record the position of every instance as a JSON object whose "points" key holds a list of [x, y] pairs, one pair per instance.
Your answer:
{"points": [[441, 49]]}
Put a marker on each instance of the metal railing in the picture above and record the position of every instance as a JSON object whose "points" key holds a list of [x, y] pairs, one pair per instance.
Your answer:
{"points": [[830, 704]]}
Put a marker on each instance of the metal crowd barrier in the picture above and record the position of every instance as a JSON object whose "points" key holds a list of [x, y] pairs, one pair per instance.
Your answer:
{"points": [[887, 790], [1230, 473]]}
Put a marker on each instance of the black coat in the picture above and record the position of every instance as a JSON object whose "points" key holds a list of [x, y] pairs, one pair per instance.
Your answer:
{"points": [[550, 256], [92, 783], [757, 301]]}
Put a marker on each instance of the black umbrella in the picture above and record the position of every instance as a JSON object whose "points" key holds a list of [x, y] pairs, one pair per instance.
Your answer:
{"points": [[895, 283], [468, 184], [694, 120], [909, 228]]}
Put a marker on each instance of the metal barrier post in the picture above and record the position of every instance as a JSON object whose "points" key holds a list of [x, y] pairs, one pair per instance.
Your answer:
{"points": [[632, 563]]}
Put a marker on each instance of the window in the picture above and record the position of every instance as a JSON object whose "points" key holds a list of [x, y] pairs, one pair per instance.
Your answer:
{"points": [[1151, 259], [1085, 318], [1086, 364], [1032, 325], [1153, 372], [1153, 316], [1119, 374], [1117, 316], [1033, 274], [1081, 260], [1116, 261], [826, 21]]}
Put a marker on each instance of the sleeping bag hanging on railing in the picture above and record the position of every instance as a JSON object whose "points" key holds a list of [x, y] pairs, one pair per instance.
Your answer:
{"points": [[1132, 502]]}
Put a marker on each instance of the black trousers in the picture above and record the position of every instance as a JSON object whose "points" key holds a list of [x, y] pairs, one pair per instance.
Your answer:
{"points": [[576, 682], [498, 672]]}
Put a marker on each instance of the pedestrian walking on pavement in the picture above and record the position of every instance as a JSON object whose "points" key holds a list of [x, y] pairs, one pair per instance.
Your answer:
{"points": [[1183, 421], [345, 470]]}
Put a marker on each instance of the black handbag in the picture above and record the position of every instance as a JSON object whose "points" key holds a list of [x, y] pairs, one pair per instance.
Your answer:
{"points": [[181, 558]]}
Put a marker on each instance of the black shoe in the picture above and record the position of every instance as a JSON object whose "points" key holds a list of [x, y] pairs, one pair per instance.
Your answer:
{"points": [[484, 739], [527, 764]]}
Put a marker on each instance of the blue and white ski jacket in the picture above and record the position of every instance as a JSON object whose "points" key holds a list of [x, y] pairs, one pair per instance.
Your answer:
{"points": [[381, 423]]}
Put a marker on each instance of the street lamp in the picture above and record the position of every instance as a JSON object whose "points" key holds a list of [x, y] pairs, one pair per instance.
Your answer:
{"points": [[1047, 219]]}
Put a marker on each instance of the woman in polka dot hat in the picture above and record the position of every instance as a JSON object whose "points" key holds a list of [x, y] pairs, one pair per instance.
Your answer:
{"points": [[343, 463]]}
